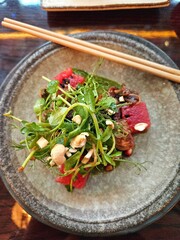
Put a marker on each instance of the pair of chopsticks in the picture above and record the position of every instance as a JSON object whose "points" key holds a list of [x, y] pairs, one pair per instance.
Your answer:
{"points": [[96, 50]]}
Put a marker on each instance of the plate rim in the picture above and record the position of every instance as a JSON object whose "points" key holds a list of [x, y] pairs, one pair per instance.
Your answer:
{"points": [[135, 228]]}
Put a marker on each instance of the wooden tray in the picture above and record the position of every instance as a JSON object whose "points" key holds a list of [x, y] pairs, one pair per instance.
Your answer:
{"points": [[90, 5]]}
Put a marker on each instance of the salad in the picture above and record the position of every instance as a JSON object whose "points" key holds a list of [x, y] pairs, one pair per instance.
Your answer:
{"points": [[85, 125]]}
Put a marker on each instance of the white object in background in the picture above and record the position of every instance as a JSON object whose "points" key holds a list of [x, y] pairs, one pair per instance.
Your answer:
{"points": [[88, 5]]}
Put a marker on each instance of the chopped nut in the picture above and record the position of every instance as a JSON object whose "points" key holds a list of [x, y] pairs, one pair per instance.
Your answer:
{"points": [[77, 119], [68, 154], [72, 150], [79, 141], [121, 99], [88, 156], [110, 112], [85, 160], [52, 163], [42, 142], [85, 134], [140, 127], [110, 123], [57, 154]]}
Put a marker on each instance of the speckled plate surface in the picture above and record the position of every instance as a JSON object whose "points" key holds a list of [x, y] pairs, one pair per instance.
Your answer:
{"points": [[123, 200]]}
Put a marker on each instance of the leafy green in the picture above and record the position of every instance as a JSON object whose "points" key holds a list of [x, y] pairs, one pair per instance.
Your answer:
{"points": [[39, 105], [109, 160], [107, 103], [33, 127], [71, 162], [106, 134], [52, 86], [42, 153], [89, 98], [56, 115]]}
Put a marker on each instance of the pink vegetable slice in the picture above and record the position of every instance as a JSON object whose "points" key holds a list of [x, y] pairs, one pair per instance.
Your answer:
{"points": [[80, 181], [135, 114], [73, 79]]}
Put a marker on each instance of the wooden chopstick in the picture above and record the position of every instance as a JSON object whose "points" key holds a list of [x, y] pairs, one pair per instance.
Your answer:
{"points": [[94, 49], [97, 47]]}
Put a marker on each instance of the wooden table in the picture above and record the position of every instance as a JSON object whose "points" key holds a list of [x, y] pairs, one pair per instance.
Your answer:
{"points": [[160, 26]]}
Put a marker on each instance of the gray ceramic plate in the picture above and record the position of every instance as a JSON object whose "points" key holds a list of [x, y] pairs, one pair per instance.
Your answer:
{"points": [[123, 200]]}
